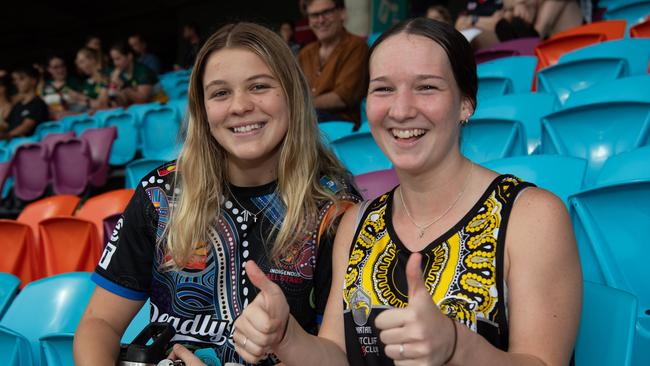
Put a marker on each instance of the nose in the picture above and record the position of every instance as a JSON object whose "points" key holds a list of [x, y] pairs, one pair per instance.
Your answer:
{"points": [[402, 107], [241, 103]]}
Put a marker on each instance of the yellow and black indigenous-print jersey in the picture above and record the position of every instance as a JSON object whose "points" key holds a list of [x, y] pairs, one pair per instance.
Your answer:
{"points": [[463, 271]]}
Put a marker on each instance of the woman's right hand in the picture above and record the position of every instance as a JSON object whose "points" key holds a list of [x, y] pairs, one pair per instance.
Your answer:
{"points": [[263, 323], [181, 353]]}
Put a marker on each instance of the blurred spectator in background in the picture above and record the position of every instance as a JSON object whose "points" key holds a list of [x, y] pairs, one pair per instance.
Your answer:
{"points": [[130, 81], [192, 38], [286, 32], [95, 43], [29, 110], [94, 90], [302, 32], [5, 98], [551, 16], [145, 57], [336, 65], [57, 87], [439, 13]]}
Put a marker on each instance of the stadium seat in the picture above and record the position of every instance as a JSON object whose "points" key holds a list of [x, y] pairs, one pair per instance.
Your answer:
{"points": [[141, 319], [635, 51], [373, 184], [125, 146], [68, 244], [641, 30], [595, 132], [493, 87], [8, 288], [515, 47], [360, 154], [611, 29], [99, 207], [30, 171], [606, 333], [629, 89], [550, 51], [372, 38], [19, 256], [46, 128], [520, 70], [102, 115], [79, 123], [70, 165], [332, 130], [100, 142], [180, 105], [626, 167], [632, 12], [35, 212], [13, 144], [160, 134], [526, 108], [562, 175], [136, 170], [139, 110], [485, 139], [52, 138], [50, 305]]}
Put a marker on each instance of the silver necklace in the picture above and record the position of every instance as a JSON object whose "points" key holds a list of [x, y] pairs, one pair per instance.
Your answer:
{"points": [[248, 213], [423, 228]]}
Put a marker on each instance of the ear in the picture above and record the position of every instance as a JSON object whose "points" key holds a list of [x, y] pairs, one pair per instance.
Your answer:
{"points": [[466, 108]]}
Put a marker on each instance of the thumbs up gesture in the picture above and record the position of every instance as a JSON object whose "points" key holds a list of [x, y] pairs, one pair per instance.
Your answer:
{"points": [[418, 334], [262, 324]]}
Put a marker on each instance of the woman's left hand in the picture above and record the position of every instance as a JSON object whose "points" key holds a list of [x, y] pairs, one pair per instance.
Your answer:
{"points": [[418, 334], [181, 353]]}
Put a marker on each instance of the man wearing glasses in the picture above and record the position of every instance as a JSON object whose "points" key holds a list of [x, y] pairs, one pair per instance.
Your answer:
{"points": [[336, 64]]}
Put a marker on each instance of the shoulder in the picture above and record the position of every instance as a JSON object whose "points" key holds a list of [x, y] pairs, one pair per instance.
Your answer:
{"points": [[309, 50], [162, 177], [341, 187]]}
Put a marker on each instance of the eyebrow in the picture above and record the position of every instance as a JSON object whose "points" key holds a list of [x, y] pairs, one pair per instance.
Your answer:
{"points": [[222, 82], [418, 78]]}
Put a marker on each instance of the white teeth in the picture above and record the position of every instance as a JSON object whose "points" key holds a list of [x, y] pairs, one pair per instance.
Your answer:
{"points": [[405, 134], [247, 128]]}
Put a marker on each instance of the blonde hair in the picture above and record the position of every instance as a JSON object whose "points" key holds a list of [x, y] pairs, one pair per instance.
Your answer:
{"points": [[202, 164]]}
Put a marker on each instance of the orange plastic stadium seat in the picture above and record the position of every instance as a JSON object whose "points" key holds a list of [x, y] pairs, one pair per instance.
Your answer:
{"points": [[68, 244], [18, 251], [611, 29], [97, 208], [641, 30], [35, 212]]}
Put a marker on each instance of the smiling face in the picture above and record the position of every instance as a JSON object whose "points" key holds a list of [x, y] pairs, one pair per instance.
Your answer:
{"points": [[56, 68], [86, 64], [414, 104], [246, 108], [325, 19], [120, 60]]}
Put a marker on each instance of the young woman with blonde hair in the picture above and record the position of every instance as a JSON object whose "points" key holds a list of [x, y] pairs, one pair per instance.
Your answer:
{"points": [[253, 181]]}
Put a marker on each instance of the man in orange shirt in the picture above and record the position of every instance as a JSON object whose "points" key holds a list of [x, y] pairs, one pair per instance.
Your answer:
{"points": [[336, 65]]}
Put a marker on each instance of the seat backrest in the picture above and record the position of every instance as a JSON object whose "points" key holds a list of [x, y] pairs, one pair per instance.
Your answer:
{"points": [[493, 87], [626, 167], [629, 89], [635, 51], [606, 333], [58, 205], [562, 175], [79, 125], [611, 29], [125, 145], [51, 305], [373, 184], [519, 69], [137, 169], [526, 108], [99, 207], [596, 132], [70, 164], [632, 12], [612, 222], [8, 288], [102, 115], [68, 244], [46, 128], [360, 154], [485, 139], [100, 141], [19, 254], [332, 130], [30, 171], [51, 139], [180, 104], [13, 144], [138, 110], [160, 131], [550, 51]]}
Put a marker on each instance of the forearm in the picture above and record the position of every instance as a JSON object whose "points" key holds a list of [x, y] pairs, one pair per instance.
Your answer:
{"points": [[329, 100], [22, 129], [300, 348], [96, 343]]}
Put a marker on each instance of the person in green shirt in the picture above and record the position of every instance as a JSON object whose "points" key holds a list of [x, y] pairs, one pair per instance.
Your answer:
{"points": [[56, 89], [131, 82], [94, 91]]}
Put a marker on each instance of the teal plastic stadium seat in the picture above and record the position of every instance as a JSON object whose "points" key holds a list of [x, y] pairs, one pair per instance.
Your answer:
{"points": [[50, 305], [636, 51], [15, 348], [527, 108], [520, 70], [493, 87], [606, 333], [486, 139], [8, 289], [596, 132], [141, 319], [562, 175], [46, 128], [629, 89], [632, 12], [137, 169], [125, 146], [360, 154], [13, 144], [160, 133], [79, 125], [626, 167], [139, 110], [332, 130]]}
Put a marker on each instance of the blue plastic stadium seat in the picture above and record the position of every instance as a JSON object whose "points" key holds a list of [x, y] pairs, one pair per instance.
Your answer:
{"points": [[180, 105], [629, 89], [140, 109], [126, 144], [46, 128], [8, 288], [595, 132], [485, 139], [493, 87], [141, 319], [606, 333], [332, 130], [160, 133], [526, 108], [626, 167], [632, 12], [562, 175], [636, 51], [360, 154], [50, 305], [137, 169], [520, 70]]}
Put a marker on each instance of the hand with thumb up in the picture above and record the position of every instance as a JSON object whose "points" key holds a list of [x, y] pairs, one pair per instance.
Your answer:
{"points": [[263, 323], [419, 334]]}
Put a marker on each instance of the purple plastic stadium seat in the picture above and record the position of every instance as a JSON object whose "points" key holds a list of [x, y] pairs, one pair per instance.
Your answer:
{"points": [[50, 139], [100, 141], [70, 164], [30, 171], [372, 184], [515, 47]]}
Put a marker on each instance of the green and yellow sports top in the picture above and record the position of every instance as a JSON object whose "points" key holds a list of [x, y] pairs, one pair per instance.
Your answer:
{"points": [[463, 270]]}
